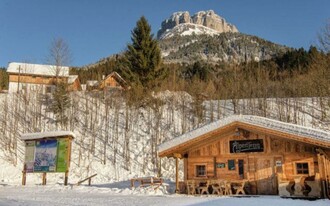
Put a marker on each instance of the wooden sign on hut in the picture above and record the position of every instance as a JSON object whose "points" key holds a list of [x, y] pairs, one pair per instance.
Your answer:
{"points": [[47, 152]]}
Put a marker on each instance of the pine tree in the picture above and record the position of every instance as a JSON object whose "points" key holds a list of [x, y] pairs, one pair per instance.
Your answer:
{"points": [[143, 55], [60, 103]]}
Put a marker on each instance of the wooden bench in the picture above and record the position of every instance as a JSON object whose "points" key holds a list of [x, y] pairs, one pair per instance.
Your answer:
{"points": [[147, 181], [88, 178]]}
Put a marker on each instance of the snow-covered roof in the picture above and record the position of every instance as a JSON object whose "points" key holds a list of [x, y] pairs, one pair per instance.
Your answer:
{"points": [[37, 69], [40, 135], [263, 122], [115, 74], [118, 78], [92, 83], [72, 78]]}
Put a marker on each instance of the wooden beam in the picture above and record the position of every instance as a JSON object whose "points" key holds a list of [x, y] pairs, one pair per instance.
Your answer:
{"points": [[89, 180], [320, 151], [24, 177], [44, 178], [177, 175], [177, 155], [66, 177]]}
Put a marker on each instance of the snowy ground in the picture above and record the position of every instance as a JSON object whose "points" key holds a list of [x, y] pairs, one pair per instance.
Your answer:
{"points": [[109, 195], [90, 156]]}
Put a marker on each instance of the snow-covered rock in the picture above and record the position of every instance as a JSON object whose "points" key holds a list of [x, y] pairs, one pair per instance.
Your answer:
{"points": [[203, 22]]}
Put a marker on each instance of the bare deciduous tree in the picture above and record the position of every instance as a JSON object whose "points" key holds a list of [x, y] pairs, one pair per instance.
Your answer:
{"points": [[324, 38], [59, 55]]}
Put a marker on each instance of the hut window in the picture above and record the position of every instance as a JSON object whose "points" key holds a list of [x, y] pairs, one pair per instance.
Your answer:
{"points": [[231, 165], [48, 89], [302, 168], [200, 170]]}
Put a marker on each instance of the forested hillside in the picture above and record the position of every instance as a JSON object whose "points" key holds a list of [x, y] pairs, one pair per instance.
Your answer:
{"points": [[297, 73]]}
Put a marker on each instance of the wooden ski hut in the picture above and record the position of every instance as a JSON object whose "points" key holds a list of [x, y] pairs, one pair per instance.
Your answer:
{"points": [[253, 155]]}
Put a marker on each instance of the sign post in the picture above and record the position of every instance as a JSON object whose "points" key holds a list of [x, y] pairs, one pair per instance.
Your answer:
{"points": [[47, 152]]}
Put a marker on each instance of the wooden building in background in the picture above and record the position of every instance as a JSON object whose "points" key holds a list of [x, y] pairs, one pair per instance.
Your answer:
{"points": [[74, 83], [24, 77], [113, 81], [272, 156]]}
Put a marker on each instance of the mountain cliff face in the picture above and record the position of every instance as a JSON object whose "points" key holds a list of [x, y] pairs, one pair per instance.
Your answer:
{"points": [[206, 21], [207, 36]]}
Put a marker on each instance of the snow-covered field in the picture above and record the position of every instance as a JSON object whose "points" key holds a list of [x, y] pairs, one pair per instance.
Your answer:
{"points": [[110, 195]]}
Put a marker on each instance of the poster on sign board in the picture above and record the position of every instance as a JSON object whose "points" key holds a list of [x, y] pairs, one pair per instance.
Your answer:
{"points": [[45, 156], [29, 156]]}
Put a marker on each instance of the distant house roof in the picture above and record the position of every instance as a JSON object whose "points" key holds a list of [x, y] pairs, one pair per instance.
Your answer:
{"points": [[259, 123], [92, 83], [37, 69], [41, 135], [72, 78]]}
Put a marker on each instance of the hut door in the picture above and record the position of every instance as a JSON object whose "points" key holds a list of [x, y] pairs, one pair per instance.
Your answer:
{"points": [[265, 176], [241, 169]]}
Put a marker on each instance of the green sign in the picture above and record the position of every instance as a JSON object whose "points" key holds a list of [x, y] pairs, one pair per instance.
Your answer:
{"points": [[221, 165], [231, 164], [62, 155]]}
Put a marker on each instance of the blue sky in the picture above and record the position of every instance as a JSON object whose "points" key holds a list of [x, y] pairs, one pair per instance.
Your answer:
{"points": [[95, 29]]}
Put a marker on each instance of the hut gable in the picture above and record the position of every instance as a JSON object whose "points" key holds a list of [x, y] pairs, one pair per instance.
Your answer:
{"points": [[248, 123], [74, 83], [113, 80]]}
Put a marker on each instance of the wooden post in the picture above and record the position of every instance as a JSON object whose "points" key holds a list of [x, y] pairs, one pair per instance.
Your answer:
{"points": [[321, 166], [24, 177], [160, 167], [215, 168], [44, 178], [66, 177], [177, 175]]}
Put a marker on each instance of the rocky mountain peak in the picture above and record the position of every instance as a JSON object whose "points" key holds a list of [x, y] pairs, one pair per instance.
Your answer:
{"points": [[207, 19]]}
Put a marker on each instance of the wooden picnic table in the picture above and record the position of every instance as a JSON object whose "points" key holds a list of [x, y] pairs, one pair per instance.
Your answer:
{"points": [[145, 181]]}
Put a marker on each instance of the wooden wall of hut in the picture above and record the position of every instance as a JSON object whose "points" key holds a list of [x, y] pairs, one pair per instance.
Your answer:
{"points": [[278, 155]]}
